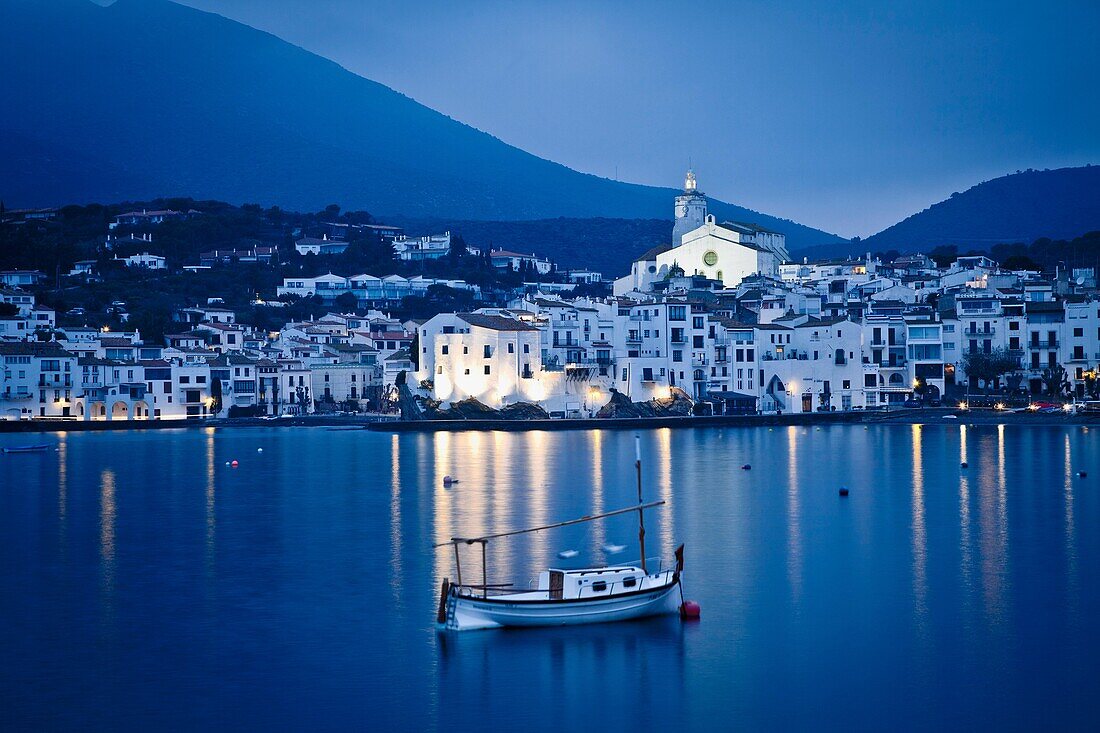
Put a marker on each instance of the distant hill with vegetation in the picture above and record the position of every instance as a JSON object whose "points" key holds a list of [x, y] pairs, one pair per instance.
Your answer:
{"points": [[601, 244], [1022, 207], [147, 98]]}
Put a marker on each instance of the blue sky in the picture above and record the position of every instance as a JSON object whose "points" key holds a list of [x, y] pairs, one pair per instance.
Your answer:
{"points": [[845, 116]]}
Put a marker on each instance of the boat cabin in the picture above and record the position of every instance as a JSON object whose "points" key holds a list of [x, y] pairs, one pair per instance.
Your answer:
{"points": [[566, 584]]}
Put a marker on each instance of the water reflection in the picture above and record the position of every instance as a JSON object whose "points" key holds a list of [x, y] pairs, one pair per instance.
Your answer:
{"points": [[623, 676], [211, 520], [1071, 549], [107, 518], [965, 534], [664, 491], [992, 528], [62, 486], [396, 574], [794, 518], [920, 536]]}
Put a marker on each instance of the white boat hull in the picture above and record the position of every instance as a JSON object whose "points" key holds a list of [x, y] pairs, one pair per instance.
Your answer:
{"points": [[464, 612]]}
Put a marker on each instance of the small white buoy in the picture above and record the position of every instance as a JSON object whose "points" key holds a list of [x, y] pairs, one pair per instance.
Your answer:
{"points": [[566, 554], [259, 450], [227, 463], [613, 549]]}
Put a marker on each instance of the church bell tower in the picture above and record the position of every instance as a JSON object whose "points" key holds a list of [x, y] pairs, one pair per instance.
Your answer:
{"points": [[691, 209]]}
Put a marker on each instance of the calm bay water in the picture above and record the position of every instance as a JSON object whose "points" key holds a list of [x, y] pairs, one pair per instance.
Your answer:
{"points": [[147, 585]]}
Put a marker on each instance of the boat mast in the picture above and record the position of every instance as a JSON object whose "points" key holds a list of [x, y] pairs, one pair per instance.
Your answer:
{"points": [[641, 514]]}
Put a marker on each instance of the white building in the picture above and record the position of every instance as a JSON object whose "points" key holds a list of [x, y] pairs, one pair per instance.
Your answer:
{"points": [[726, 252], [430, 247], [145, 260]]}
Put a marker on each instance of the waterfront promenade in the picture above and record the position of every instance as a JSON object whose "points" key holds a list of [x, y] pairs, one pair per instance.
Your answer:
{"points": [[387, 423]]}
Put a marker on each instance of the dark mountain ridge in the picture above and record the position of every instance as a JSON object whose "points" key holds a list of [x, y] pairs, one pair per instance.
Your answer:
{"points": [[147, 98], [1059, 204]]}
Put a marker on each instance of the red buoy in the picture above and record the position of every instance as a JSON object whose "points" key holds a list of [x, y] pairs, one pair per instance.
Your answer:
{"points": [[233, 464], [690, 610]]}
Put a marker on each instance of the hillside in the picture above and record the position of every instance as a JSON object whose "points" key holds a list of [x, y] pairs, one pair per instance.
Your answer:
{"points": [[605, 245], [1022, 207], [146, 98]]}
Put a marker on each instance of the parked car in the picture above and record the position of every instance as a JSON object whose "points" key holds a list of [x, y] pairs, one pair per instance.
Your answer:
{"points": [[912, 403]]}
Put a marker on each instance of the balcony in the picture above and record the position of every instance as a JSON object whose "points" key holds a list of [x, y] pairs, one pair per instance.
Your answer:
{"points": [[640, 317], [14, 396], [979, 333], [1043, 344]]}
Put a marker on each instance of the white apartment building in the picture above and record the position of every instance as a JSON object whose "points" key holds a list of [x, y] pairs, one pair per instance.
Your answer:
{"points": [[431, 247]]}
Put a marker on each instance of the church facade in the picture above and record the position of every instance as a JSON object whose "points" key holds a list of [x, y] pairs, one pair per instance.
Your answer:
{"points": [[726, 252]]}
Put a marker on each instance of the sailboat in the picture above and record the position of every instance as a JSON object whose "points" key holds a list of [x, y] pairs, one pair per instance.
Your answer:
{"points": [[564, 597]]}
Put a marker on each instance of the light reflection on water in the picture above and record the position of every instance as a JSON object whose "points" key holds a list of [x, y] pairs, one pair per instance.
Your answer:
{"points": [[286, 592]]}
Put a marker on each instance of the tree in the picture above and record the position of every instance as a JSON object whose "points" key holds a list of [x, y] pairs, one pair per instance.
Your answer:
{"points": [[1092, 384], [8, 310], [414, 352], [987, 368], [216, 395], [1022, 262], [944, 255], [1055, 381], [347, 302]]}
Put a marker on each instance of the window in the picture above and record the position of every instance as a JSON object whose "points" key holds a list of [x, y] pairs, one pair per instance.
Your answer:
{"points": [[677, 313], [185, 379], [486, 368], [677, 355], [511, 348], [439, 370], [527, 348], [444, 349], [697, 342], [1078, 332], [487, 351], [697, 322], [599, 586]]}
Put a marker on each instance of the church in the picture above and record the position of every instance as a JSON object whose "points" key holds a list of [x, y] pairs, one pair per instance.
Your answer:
{"points": [[726, 252]]}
